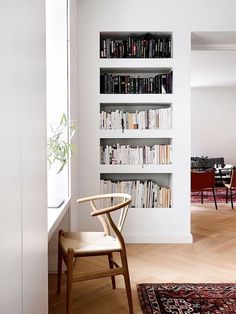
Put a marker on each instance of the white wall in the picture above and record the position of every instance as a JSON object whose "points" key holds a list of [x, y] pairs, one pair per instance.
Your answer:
{"points": [[213, 129], [23, 214], [213, 68], [160, 225], [53, 244], [181, 17]]}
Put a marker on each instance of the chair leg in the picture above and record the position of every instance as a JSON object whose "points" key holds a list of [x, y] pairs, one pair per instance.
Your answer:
{"points": [[59, 264], [231, 198], [70, 257], [227, 195], [59, 270], [113, 280], [201, 197], [214, 195], [127, 280]]}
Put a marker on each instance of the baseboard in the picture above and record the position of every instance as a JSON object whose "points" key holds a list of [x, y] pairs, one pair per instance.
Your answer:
{"points": [[158, 237]]}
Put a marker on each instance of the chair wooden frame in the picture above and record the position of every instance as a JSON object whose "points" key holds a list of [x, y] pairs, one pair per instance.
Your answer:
{"points": [[230, 187], [69, 255]]}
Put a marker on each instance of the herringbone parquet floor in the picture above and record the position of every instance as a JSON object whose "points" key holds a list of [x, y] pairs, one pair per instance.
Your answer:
{"points": [[211, 258]]}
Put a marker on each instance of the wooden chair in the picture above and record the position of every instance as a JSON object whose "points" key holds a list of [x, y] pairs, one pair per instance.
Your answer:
{"points": [[231, 186], [203, 181], [73, 245]]}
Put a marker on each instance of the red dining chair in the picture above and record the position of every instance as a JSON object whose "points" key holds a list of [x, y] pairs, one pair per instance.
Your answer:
{"points": [[203, 181]]}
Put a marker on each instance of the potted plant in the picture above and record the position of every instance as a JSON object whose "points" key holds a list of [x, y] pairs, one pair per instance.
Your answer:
{"points": [[199, 162]]}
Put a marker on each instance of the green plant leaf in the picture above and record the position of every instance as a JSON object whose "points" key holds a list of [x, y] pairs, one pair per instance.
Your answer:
{"points": [[58, 149]]}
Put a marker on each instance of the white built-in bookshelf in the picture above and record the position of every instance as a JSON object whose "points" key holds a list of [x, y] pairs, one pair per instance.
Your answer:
{"points": [[143, 225], [136, 117]]}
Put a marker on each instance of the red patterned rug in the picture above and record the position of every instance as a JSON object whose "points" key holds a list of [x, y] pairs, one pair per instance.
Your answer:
{"points": [[208, 196], [188, 298]]}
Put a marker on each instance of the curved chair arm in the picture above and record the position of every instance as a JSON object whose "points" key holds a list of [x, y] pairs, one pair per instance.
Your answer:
{"points": [[101, 196], [111, 208], [107, 209]]}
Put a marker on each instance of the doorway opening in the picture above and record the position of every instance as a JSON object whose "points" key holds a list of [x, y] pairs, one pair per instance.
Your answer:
{"points": [[213, 111]]}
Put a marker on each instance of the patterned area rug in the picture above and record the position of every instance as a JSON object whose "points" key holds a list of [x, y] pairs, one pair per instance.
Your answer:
{"points": [[187, 298], [208, 196]]}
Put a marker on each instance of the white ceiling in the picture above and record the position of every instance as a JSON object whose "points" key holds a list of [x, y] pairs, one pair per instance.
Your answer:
{"points": [[213, 60]]}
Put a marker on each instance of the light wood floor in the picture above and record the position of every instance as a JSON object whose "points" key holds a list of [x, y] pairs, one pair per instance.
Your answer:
{"points": [[211, 258]]}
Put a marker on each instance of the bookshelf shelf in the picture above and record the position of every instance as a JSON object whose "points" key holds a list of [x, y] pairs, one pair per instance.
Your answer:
{"points": [[136, 169], [136, 98], [137, 64], [133, 80], [130, 45], [157, 133]]}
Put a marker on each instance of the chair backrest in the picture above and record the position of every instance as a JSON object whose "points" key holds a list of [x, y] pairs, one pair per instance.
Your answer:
{"points": [[218, 161], [104, 213], [202, 180], [233, 178]]}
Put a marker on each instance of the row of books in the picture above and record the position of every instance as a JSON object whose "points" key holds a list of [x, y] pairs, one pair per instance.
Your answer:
{"points": [[126, 84], [127, 155], [146, 119], [145, 47], [145, 194]]}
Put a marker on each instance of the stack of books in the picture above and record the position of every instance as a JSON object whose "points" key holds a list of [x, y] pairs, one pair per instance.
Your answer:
{"points": [[126, 155], [145, 194], [126, 84], [147, 119], [147, 46]]}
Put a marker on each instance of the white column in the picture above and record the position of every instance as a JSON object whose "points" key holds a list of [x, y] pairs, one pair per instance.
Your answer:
{"points": [[23, 214]]}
